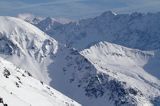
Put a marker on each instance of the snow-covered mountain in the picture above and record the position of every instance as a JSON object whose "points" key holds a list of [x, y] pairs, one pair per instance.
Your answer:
{"points": [[101, 74], [19, 88], [108, 74], [134, 68], [26, 46], [31, 49], [136, 30]]}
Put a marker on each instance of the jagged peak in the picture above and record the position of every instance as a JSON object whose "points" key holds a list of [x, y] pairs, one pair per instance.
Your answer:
{"points": [[31, 18], [20, 31], [108, 13]]}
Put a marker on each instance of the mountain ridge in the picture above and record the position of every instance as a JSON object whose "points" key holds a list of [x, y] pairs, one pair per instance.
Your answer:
{"points": [[25, 45], [135, 30], [92, 73]]}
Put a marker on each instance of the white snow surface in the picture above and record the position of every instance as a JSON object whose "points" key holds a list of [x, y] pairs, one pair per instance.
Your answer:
{"points": [[139, 69], [103, 74], [26, 46], [18, 88]]}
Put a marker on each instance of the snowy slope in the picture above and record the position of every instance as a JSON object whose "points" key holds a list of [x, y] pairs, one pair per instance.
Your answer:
{"points": [[31, 49], [72, 74], [135, 30], [26, 46], [18, 88], [138, 69], [108, 53], [104, 74]]}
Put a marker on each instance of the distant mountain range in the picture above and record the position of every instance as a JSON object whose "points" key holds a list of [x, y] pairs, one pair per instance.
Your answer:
{"points": [[136, 30]]}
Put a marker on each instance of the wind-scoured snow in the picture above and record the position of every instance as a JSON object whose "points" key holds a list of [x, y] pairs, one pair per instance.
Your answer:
{"points": [[19, 88]]}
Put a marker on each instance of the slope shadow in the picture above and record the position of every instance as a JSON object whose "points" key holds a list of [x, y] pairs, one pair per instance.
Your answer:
{"points": [[153, 65]]}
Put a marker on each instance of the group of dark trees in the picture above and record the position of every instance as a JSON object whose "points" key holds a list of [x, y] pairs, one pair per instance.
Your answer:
{"points": [[1, 101]]}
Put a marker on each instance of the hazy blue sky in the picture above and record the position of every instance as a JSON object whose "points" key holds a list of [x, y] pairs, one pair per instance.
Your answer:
{"points": [[75, 9]]}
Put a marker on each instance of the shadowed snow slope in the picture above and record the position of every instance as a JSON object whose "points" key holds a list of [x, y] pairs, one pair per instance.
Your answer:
{"points": [[106, 74], [18, 88]]}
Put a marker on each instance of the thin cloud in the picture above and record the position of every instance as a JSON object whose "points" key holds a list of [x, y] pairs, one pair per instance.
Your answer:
{"points": [[143, 7], [25, 6], [76, 8]]}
